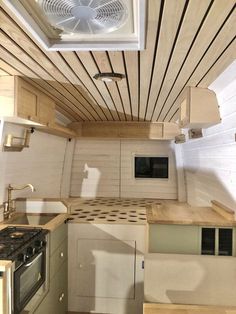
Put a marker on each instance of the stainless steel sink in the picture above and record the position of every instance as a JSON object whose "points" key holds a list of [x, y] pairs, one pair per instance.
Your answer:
{"points": [[30, 219]]}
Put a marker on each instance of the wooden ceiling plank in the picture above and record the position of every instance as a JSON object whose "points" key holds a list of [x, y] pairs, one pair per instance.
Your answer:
{"points": [[225, 37], [8, 68], [72, 59], [191, 23], [147, 56], [3, 73], [117, 63], [104, 66], [20, 36], [222, 63], [76, 83], [20, 67], [132, 66], [169, 25], [212, 24], [14, 49], [13, 61], [22, 40], [90, 66]]}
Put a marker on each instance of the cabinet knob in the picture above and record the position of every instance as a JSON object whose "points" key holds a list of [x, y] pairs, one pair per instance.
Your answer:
{"points": [[61, 297], [80, 265], [61, 255]]}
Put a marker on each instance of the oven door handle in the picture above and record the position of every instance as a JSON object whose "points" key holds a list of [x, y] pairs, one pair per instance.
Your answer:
{"points": [[34, 260]]}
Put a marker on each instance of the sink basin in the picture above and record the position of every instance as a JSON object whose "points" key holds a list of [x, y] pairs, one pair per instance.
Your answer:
{"points": [[30, 219]]}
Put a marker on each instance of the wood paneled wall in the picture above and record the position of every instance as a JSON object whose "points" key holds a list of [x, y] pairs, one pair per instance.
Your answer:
{"points": [[42, 165], [105, 168], [209, 162]]}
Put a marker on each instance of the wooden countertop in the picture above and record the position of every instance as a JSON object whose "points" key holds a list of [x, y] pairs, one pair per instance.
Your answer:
{"points": [[51, 225], [173, 212], [152, 308]]}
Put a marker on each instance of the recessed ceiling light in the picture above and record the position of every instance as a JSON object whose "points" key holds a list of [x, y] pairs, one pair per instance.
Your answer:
{"points": [[109, 77]]}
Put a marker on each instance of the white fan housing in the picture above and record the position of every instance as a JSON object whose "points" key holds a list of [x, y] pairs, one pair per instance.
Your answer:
{"points": [[83, 24]]}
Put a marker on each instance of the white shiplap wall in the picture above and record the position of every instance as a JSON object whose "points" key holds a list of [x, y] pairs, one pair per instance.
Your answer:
{"points": [[42, 164], [95, 168], [105, 168], [147, 188], [210, 162]]}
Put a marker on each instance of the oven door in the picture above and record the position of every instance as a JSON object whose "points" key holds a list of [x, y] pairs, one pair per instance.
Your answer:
{"points": [[28, 279]]}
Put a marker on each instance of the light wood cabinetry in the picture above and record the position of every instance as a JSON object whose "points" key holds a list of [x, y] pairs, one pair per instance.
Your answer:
{"points": [[106, 268], [126, 130], [57, 298], [20, 100], [198, 108]]}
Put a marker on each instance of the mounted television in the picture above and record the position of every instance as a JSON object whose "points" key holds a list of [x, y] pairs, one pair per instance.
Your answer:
{"points": [[151, 167]]}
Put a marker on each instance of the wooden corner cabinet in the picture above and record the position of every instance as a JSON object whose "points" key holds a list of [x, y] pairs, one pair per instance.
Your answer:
{"points": [[22, 102], [198, 108]]}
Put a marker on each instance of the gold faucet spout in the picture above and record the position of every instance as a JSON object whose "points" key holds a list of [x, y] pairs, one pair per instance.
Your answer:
{"points": [[10, 187], [10, 206]]}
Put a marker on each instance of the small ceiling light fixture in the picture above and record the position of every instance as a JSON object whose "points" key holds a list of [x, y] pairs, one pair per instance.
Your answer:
{"points": [[109, 77]]}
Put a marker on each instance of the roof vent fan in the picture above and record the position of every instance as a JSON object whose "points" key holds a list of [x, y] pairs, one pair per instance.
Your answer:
{"points": [[83, 24]]}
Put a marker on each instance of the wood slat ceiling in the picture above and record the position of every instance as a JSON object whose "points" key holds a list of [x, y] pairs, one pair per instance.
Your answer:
{"points": [[189, 42]]}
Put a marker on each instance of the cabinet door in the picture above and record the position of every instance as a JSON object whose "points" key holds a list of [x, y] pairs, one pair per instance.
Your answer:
{"points": [[46, 112], [174, 239], [27, 101], [55, 301], [104, 269]]}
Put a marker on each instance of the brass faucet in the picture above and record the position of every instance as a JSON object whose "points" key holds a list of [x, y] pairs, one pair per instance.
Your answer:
{"points": [[10, 204]]}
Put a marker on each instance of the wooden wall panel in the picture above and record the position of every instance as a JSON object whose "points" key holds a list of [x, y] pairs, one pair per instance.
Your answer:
{"points": [[106, 168]]}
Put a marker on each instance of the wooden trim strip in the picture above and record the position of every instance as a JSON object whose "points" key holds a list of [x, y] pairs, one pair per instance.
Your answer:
{"points": [[223, 210]]}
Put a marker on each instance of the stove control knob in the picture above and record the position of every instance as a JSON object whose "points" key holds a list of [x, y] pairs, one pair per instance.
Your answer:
{"points": [[21, 257], [38, 243], [30, 251]]}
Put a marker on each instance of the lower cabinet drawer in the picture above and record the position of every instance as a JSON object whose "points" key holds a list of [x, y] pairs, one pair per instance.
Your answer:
{"points": [[55, 301], [58, 258]]}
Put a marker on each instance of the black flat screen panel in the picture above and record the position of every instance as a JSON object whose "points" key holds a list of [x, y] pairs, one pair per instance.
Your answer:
{"points": [[208, 241], [151, 167], [225, 242]]}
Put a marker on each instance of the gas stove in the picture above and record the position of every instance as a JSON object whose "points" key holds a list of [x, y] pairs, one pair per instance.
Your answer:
{"points": [[19, 244]]}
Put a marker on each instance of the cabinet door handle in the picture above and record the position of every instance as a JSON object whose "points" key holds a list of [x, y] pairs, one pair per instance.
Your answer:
{"points": [[61, 255]]}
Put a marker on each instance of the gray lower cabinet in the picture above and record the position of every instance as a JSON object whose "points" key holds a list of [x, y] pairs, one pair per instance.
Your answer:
{"points": [[56, 301], [174, 239], [192, 239]]}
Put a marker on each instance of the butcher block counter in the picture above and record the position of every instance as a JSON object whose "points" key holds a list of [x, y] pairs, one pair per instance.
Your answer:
{"points": [[186, 309], [174, 212]]}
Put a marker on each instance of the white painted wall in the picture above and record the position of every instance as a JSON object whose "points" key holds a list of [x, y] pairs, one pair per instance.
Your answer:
{"points": [[210, 162], [105, 168], [42, 164]]}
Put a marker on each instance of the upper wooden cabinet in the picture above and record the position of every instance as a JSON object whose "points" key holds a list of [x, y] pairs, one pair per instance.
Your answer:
{"points": [[198, 108], [21, 100]]}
